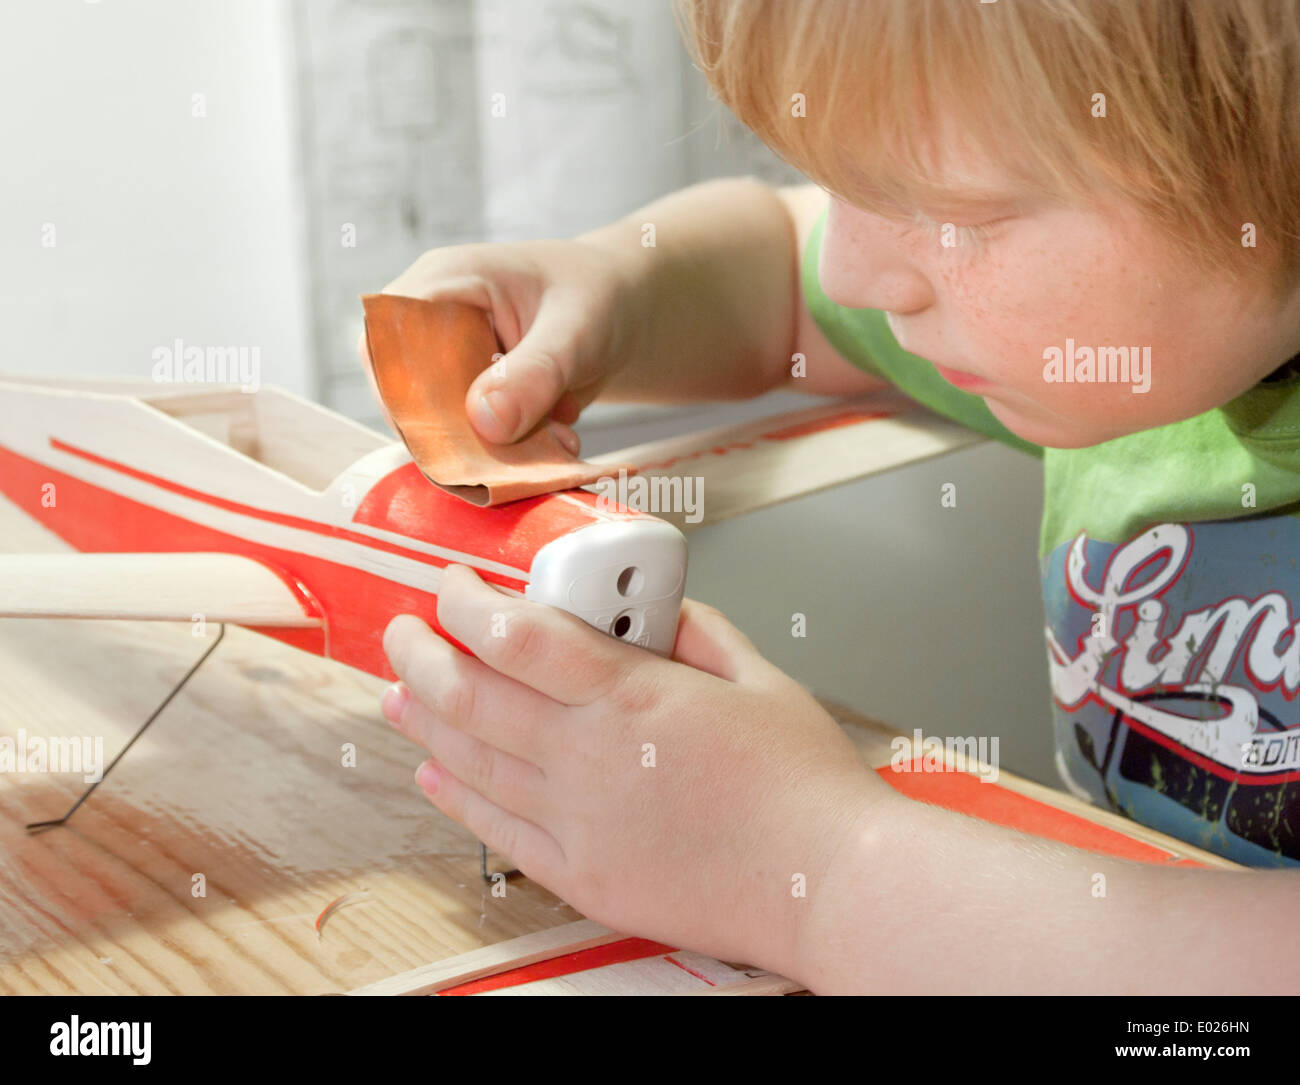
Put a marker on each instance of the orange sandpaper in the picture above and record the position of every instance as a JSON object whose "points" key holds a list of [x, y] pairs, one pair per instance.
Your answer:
{"points": [[425, 355]]}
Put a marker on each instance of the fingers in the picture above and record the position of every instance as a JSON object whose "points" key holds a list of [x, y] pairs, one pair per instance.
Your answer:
{"points": [[532, 849], [470, 289], [511, 396], [449, 689], [548, 329], [542, 647], [567, 409], [566, 436], [707, 641], [500, 777]]}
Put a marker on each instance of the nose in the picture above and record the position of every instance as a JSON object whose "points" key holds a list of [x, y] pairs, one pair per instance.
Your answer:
{"points": [[865, 263]]}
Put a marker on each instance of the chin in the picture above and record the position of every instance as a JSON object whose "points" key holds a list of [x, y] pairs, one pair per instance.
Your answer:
{"points": [[1054, 432]]}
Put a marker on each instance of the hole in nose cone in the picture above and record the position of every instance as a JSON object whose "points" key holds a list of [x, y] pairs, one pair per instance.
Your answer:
{"points": [[622, 624], [630, 581]]}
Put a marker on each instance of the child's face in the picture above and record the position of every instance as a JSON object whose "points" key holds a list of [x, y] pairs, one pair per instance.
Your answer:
{"points": [[1038, 274]]}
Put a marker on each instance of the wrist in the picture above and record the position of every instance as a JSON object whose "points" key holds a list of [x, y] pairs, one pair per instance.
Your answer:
{"points": [[627, 271], [839, 916]]}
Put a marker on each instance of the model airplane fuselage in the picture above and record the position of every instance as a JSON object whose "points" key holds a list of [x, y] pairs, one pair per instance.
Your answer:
{"points": [[221, 487]]}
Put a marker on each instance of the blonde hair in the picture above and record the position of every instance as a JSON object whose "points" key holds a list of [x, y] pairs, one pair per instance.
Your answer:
{"points": [[1199, 126]]}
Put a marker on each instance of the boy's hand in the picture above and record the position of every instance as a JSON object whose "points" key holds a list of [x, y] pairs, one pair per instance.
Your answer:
{"points": [[679, 800], [564, 312]]}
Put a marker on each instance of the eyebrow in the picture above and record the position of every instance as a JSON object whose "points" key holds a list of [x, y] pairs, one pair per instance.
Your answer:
{"points": [[940, 205], [947, 196], [973, 199]]}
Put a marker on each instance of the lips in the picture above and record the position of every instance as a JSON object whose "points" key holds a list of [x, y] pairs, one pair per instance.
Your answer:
{"points": [[967, 381], [955, 377]]}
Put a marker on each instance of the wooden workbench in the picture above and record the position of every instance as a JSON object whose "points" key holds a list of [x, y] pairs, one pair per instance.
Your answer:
{"points": [[241, 781]]}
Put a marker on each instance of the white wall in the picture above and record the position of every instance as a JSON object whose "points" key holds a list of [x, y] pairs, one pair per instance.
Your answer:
{"points": [[588, 124], [166, 224], [917, 615]]}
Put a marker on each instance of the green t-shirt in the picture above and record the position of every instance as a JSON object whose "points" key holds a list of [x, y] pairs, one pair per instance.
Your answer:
{"points": [[1169, 568]]}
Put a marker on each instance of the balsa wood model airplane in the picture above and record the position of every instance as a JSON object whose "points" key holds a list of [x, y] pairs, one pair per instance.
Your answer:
{"points": [[270, 512], [185, 502]]}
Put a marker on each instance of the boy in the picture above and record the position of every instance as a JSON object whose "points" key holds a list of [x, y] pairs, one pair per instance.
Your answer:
{"points": [[1073, 226]]}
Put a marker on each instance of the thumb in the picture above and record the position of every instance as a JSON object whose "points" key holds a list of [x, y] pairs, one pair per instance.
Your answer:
{"points": [[516, 392], [707, 641]]}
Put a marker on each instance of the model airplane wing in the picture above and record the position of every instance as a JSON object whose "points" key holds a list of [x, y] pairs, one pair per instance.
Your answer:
{"points": [[738, 469], [158, 587]]}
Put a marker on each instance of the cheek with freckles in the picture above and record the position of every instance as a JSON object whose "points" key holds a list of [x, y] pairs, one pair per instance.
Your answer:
{"points": [[1079, 278]]}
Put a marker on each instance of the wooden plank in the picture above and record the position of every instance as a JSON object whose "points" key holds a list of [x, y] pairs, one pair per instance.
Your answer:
{"points": [[149, 587], [488, 961]]}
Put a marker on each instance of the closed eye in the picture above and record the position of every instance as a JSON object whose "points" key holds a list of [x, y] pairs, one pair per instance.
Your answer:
{"points": [[971, 236]]}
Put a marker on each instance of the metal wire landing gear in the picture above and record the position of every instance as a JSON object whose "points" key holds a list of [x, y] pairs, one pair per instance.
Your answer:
{"points": [[482, 865], [40, 826]]}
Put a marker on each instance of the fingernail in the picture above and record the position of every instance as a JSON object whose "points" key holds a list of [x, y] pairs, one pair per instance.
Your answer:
{"points": [[428, 775], [394, 700], [568, 439], [498, 410]]}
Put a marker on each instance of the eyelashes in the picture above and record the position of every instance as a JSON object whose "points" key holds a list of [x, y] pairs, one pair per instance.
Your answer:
{"points": [[968, 238]]}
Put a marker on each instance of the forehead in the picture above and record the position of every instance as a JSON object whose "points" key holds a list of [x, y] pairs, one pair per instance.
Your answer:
{"points": [[920, 146], [960, 176]]}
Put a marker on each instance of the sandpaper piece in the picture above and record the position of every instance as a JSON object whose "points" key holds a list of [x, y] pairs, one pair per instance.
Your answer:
{"points": [[425, 356]]}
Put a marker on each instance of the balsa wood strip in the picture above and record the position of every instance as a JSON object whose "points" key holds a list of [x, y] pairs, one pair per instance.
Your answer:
{"points": [[676, 973], [148, 587], [673, 973], [488, 961], [768, 984], [741, 468], [875, 741]]}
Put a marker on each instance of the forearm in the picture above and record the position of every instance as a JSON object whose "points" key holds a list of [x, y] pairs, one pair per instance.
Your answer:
{"points": [[714, 297], [926, 900]]}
